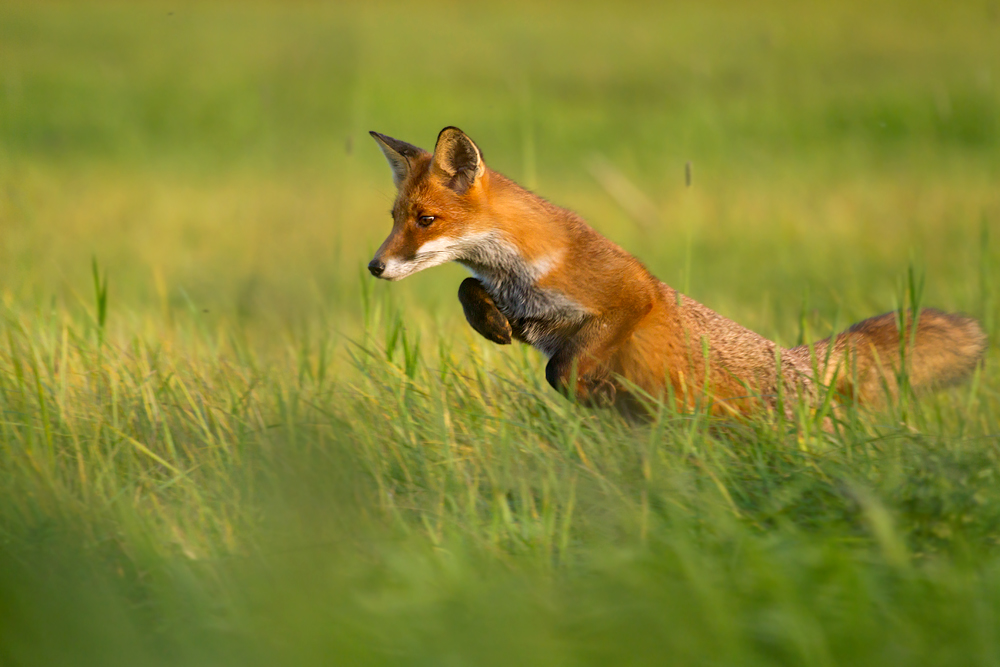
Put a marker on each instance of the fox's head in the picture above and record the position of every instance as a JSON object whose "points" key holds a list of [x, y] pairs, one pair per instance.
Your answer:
{"points": [[438, 213]]}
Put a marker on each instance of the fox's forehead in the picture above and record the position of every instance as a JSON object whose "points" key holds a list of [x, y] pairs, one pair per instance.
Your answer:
{"points": [[425, 195], [411, 200]]}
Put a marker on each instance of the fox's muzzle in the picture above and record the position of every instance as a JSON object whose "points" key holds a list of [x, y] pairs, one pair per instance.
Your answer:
{"points": [[376, 266]]}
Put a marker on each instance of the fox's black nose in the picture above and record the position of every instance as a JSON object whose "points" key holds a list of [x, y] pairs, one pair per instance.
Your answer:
{"points": [[376, 266]]}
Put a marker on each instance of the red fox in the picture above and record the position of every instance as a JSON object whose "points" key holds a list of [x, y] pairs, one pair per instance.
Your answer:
{"points": [[542, 276]]}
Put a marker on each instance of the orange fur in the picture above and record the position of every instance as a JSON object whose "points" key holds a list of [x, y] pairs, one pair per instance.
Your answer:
{"points": [[544, 277]]}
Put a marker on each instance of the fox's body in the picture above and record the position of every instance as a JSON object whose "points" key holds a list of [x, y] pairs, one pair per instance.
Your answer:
{"points": [[541, 275]]}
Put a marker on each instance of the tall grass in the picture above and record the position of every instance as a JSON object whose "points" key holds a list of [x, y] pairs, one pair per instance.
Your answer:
{"points": [[219, 508], [222, 443]]}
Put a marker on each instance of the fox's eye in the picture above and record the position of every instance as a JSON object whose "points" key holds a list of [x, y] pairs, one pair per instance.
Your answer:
{"points": [[425, 220]]}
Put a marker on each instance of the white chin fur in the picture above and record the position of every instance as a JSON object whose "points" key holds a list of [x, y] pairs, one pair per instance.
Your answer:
{"points": [[396, 270], [430, 254]]}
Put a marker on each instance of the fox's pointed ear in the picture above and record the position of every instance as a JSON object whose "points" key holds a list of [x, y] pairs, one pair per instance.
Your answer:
{"points": [[399, 154], [458, 159]]}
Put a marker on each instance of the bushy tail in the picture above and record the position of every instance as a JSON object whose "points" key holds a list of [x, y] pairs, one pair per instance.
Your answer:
{"points": [[865, 360]]}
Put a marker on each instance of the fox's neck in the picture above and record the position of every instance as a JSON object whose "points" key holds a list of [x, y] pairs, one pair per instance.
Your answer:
{"points": [[496, 258], [528, 236], [528, 240]]}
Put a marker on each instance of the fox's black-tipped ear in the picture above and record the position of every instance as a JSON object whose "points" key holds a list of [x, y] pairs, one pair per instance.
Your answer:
{"points": [[399, 154], [458, 159]]}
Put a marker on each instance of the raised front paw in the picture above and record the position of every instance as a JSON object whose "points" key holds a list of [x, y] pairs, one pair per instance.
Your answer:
{"points": [[482, 313]]}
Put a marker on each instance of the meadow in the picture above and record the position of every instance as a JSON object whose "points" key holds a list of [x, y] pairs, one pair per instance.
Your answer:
{"points": [[223, 443]]}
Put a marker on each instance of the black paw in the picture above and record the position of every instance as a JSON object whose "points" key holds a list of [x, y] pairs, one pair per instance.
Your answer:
{"points": [[482, 313], [495, 327]]}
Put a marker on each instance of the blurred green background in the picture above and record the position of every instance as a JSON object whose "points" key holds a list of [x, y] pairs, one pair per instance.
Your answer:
{"points": [[221, 150], [251, 452]]}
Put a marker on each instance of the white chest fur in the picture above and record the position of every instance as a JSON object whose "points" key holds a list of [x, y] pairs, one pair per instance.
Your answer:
{"points": [[512, 281]]}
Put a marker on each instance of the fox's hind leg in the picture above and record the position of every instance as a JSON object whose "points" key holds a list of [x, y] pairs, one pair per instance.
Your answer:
{"points": [[482, 313]]}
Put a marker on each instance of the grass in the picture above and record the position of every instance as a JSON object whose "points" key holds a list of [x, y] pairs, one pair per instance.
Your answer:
{"points": [[222, 443]]}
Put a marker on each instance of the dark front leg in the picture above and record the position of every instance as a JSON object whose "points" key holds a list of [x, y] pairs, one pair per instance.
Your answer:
{"points": [[593, 386], [482, 313]]}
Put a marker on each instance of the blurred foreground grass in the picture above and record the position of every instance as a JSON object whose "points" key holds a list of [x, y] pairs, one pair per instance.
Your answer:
{"points": [[261, 456]]}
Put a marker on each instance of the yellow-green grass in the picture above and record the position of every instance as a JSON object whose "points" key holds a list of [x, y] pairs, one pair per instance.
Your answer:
{"points": [[250, 452]]}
